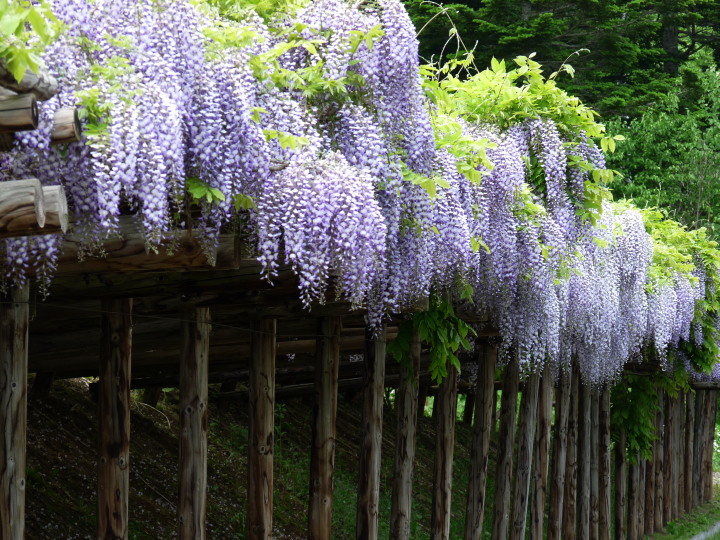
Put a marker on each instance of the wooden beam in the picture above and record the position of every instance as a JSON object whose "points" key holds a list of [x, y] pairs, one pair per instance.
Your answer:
{"points": [[506, 442], [66, 127], [42, 85], [22, 207], [262, 430], [368, 504], [571, 468], [482, 429], [114, 419], [14, 312], [406, 403], [605, 484], [322, 462], [560, 437], [446, 403], [18, 113]]}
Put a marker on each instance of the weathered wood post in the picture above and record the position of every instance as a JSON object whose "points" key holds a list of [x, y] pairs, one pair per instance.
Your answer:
{"points": [[680, 454], [14, 311], [689, 448], [584, 465], [571, 474], [366, 524], [668, 437], [195, 344], [506, 442], [446, 403], [594, 463], [482, 429], [322, 461], [407, 410], [560, 436], [114, 418], [605, 486], [620, 487], [649, 521], [542, 451], [699, 446], [526, 440], [660, 461], [710, 414], [633, 498], [641, 496], [261, 435]]}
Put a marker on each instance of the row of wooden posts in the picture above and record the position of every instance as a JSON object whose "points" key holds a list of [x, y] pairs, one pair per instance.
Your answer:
{"points": [[573, 502]]}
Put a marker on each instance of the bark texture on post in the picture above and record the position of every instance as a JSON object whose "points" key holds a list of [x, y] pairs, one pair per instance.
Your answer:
{"points": [[571, 472], [526, 441], [633, 498], [322, 460], [366, 524], [594, 463], [620, 487], [114, 418], [699, 446], [669, 459], [446, 403], [660, 462], [649, 521], [407, 411], [506, 442], [482, 429], [14, 313], [605, 485], [542, 451], [584, 465], [560, 435], [689, 448], [680, 454], [261, 433], [710, 413]]}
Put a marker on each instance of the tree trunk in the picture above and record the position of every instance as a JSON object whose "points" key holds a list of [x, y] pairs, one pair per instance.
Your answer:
{"points": [[526, 440], [322, 461], [114, 419], [506, 442], [14, 318], [620, 487], [605, 485], [542, 450], [446, 404], [407, 409], [482, 429], [560, 438], [571, 472], [261, 434], [368, 508]]}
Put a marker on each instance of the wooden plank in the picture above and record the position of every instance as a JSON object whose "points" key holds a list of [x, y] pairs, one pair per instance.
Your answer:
{"points": [[18, 113], [192, 506], [621, 487], [506, 442], [523, 470], [583, 462], [689, 448], [446, 405], [114, 419], [407, 411], [660, 462], [14, 313], [261, 430], [368, 505], [605, 484], [560, 436], [571, 473], [541, 455], [482, 429], [594, 463], [322, 460]]}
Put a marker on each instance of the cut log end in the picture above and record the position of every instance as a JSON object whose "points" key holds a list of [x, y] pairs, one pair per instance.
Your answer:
{"points": [[18, 113], [66, 126], [56, 209]]}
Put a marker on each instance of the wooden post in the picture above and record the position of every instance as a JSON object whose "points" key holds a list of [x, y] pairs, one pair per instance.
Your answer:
{"points": [[482, 429], [594, 463], [407, 409], [669, 458], [368, 505], [542, 450], [689, 448], [660, 462], [641, 496], [605, 485], [114, 418], [679, 475], [526, 440], [633, 498], [322, 462], [14, 313], [649, 520], [699, 447], [506, 442], [620, 487], [560, 436], [584, 465], [710, 413], [469, 408], [446, 404], [571, 473], [261, 435]]}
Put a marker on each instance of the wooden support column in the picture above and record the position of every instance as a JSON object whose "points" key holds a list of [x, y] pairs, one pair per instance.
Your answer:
{"points": [[660, 462], [322, 462], [680, 454], [406, 403], [506, 442], [114, 418], [689, 448], [633, 498], [620, 487], [571, 472], [542, 451], [261, 435], [641, 496], [605, 485], [368, 505], [482, 429], [594, 463], [668, 437], [584, 465], [526, 440], [699, 446], [649, 520], [560, 436], [710, 413], [446, 403], [14, 311]]}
